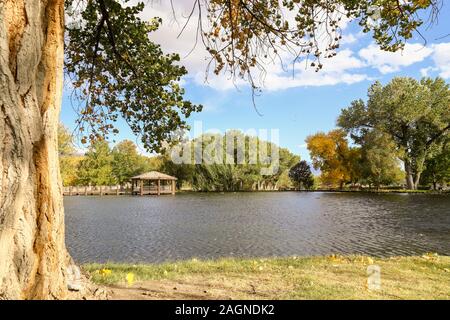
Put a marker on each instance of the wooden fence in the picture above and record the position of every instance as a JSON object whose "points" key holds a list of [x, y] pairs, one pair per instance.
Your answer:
{"points": [[96, 190]]}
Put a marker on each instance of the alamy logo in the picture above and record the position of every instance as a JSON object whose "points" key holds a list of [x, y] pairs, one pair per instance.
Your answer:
{"points": [[235, 147], [373, 277]]}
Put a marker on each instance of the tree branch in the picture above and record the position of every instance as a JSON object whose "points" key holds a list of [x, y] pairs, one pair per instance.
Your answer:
{"points": [[105, 15], [436, 136]]}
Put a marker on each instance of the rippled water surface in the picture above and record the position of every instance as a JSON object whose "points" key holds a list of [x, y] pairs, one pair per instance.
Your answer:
{"points": [[155, 229]]}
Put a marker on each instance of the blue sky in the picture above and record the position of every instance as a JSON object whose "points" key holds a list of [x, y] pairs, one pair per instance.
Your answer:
{"points": [[300, 104]]}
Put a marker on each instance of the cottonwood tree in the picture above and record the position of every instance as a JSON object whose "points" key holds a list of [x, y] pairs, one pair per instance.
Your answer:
{"points": [[96, 167], [379, 162], [437, 168], [414, 114], [331, 154], [119, 72], [127, 162]]}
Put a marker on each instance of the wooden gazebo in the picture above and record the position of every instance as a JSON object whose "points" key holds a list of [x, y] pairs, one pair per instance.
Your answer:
{"points": [[153, 182]]}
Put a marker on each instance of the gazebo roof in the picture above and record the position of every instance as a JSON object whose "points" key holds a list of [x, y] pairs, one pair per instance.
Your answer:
{"points": [[153, 175]]}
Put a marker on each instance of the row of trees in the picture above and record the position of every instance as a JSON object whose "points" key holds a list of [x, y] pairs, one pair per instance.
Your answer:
{"points": [[400, 135], [101, 165], [402, 131], [237, 165]]}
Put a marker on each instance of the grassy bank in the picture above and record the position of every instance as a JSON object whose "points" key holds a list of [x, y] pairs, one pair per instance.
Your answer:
{"points": [[332, 277]]}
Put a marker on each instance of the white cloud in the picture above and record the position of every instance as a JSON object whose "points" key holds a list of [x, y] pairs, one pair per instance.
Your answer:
{"points": [[309, 78], [221, 82], [335, 71], [388, 62], [441, 58]]}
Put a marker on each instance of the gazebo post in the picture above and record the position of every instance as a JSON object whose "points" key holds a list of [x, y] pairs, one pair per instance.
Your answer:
{"points": [[142, 187], [173, 186], [159, 187]]}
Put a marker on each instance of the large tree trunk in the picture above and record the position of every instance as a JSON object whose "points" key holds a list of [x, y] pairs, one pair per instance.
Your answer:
{"points": [[409, 175], [33, 256], [417, 180]]}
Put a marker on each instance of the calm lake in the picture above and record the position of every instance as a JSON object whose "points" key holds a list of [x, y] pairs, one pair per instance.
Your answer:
{"points": [[167, 228]]}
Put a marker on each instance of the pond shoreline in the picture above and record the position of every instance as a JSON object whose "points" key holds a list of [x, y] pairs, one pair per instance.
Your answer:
{"points": [[319, 277]]}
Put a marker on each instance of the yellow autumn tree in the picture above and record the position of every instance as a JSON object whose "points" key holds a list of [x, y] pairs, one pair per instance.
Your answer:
{"points": [[336, 160]]}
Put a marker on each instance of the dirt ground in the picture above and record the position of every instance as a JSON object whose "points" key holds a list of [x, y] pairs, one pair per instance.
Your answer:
{"points": [[191, 289]]}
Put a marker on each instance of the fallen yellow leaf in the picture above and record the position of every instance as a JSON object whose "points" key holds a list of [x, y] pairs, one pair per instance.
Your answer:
{"points": [[105, 272], [130, 278]]}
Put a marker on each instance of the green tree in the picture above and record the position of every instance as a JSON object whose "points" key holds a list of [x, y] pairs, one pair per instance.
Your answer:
{"points": [[127, 162], [415, 114], [287, 161], [119, 71], [284, 182], [301, 175], [154, 163], [437, 168], [96, 167], [182, 171], [379, 159]]}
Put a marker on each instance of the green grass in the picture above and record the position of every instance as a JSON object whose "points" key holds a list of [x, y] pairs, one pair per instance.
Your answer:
{"points": [[332, 277]]}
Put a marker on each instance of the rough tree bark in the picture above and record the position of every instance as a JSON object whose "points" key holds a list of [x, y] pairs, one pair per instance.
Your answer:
{"points": [[33, 257], [409, 175], [417, 180]]}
